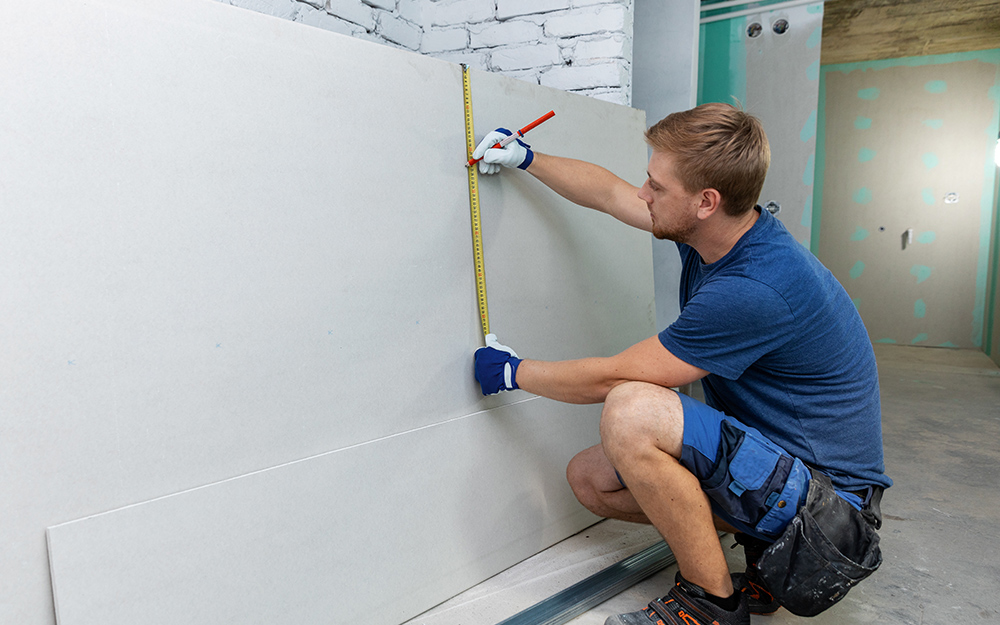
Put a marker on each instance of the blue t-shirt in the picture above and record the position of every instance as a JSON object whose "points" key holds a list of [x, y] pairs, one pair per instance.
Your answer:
{"points": [[786, 352]]}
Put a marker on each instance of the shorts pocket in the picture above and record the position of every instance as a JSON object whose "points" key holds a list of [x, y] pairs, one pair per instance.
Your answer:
{"points": [[746, 466]]}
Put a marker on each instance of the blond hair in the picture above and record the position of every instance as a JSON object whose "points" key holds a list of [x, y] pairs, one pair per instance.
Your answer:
{"points": [[717, 146]]}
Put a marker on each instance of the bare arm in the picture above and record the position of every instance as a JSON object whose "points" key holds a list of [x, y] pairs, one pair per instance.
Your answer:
{"points": [[589, 380], [593, 187]]}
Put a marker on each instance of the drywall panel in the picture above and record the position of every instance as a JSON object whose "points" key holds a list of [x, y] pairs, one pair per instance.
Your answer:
{"points": [[232, 242], [374, 533], [769, 61]]}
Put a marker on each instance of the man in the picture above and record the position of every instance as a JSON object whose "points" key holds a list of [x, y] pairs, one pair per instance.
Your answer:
{"points": [[785, 362]]}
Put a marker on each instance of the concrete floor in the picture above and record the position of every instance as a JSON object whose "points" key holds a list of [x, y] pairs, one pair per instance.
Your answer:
{"points": [[941, 533]]}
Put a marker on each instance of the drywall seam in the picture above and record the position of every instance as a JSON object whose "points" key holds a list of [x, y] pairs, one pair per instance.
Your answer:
{"points": [[293, 462]]}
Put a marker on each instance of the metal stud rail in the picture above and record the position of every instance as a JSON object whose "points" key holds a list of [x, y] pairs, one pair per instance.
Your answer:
{"points": [[599, 587]]}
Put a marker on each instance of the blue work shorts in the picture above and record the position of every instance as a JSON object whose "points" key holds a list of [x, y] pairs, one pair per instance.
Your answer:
{"points": [[752, 483]]}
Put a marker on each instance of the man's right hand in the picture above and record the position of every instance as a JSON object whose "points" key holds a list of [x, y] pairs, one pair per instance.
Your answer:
{"points": [[516, 154], [496, 367]]}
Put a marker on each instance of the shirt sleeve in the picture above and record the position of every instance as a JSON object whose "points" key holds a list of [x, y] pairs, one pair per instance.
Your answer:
{"points": [[728, 325]]}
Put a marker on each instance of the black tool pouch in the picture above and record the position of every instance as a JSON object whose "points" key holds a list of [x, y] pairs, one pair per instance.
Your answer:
{"points": [[826, 549]]}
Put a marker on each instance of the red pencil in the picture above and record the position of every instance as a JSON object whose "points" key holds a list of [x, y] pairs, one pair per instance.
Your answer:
{"points": [[520, 133]]}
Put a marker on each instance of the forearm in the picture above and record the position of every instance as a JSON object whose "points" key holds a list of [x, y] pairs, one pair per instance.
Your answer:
{"points": [[584, 381], [591, 186], [589, 380]]}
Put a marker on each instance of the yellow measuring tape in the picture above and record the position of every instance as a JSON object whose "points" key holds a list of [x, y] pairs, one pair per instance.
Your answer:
{"points": [[477, 231]]}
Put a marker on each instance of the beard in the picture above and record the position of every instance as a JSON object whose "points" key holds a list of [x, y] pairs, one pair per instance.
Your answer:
{"points": [[678, 232]]}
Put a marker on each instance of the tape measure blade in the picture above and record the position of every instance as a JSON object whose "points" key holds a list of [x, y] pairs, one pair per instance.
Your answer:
{"points": [[479, 264]]}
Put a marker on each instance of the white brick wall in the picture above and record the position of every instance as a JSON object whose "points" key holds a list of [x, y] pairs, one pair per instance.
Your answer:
{"points": [[576, 45]]}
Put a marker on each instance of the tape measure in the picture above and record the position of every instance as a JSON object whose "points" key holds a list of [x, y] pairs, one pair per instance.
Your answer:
{"points": [[477, 231]]}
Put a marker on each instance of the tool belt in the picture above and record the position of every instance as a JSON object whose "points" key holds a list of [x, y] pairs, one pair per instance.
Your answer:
{"points": [[826, 549]]}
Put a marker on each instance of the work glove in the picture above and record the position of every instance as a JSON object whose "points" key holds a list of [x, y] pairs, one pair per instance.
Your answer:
{"points": [[496, 367], [516, 154]]}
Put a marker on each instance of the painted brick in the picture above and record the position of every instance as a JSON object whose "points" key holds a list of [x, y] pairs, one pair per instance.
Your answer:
{"points": [[412, 10], [322, 19], [444, 39], [476, 60], [512, 8], [388, 5], [319, 4], [452, 12], [398, 30], [352, 11], [613, 46], [492, 34], [587, 21], [584, 3], [574, 77], [523, 57]]}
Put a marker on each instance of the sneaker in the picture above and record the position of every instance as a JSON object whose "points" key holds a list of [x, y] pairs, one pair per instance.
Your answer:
{"points": [[760, 599], [686, 604]]}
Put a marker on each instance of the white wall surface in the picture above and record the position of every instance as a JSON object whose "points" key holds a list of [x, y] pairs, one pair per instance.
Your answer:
{"points": [[665, 69], [238, 338]]}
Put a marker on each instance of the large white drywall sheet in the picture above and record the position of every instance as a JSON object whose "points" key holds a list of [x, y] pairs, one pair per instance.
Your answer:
{"points": [[233, 243], [335, 538]]}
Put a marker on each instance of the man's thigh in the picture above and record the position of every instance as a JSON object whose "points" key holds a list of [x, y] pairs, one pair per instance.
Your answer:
{"points": [[754, 485]]}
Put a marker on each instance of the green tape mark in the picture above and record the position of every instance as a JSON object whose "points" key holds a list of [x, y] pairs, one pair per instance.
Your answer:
{"points": [[812, 72], [930, 160], [814, 8], [807, 175], [865, 155], [870, 93], [926, 237], [857, 270], [856, 301], [887, 341], [815, 37], [809, 129], [920, 309], [947, 344], [936, 124], [936, 86], [863, 195], [918, 338], [928, 196], [863, 123], [860, 234], [922, 272]]}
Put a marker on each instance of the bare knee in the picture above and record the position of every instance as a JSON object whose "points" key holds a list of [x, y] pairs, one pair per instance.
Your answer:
{"points": [[638, 416]]}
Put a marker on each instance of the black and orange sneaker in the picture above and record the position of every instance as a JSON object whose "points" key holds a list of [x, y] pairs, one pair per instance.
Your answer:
{"points": [[760, 599], [687, 604]]}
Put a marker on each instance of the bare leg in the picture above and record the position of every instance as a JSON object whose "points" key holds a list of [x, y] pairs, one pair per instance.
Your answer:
{"points": [[642, 434], [596, 485]]}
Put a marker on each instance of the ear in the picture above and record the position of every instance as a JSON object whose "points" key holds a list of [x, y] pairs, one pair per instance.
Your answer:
{"points": [[710, 203]]}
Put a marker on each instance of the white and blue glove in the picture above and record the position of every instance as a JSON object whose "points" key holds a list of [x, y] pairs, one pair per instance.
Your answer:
{"points": [[496, 367], [515, 154]]}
